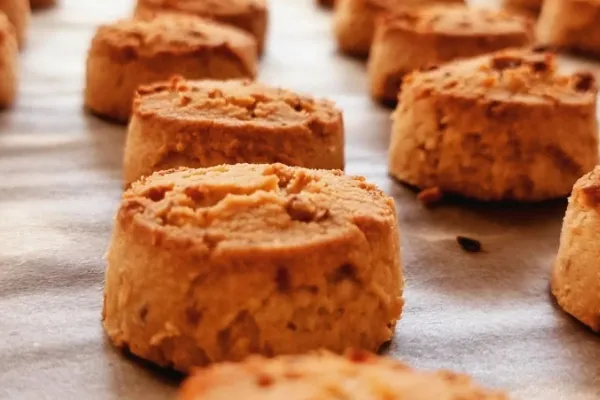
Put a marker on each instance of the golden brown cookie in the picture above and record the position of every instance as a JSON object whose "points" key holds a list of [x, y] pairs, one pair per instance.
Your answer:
{"points": [[9, 66], [130, 53], [208, 265], [36, 4], [420, 37], [527, 8], [575, 282], [324, 376], [18, 13], [207, 123], [505, 126], [571, 24], [354, 21], [249, 15]]}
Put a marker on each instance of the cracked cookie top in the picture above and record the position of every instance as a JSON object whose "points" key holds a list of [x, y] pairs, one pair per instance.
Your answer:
{"points": [[204, 7], [329, 377], [169, 33], [232, 102], [524, 76], [457, 20], [252, 205]]}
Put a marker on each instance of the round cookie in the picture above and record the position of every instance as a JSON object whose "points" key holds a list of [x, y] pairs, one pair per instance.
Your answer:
{"points": [[207, 123], [575, 282], [249, 15], [570, 24], [130, 53], [9, 66], [527, 8], [355, 20], [505, 126], [420, 37], [325, 376], [19, 14], [37, 4], [208, 265]]}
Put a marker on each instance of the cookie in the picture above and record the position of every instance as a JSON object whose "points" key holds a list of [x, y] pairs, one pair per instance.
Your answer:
{"points": [[325, 376], [36, 4], [249, 15], [527, 8], [505, 126], [209, 265], [131, 53], [18, 13], [207, 123], [571, 25], [9, 64], [575, 282], [326, 3], [355, 20], [420, 37]]}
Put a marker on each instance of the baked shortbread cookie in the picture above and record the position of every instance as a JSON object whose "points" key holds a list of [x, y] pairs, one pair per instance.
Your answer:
{"points": [[355, 20], [424, 36], [527, 8], [130, 53], [19, 14], [36, 4], [249, 15], [324, 376], [207, 265], [505, 126], [207, 123], [576, 278], [570, 24], [9, 66]]}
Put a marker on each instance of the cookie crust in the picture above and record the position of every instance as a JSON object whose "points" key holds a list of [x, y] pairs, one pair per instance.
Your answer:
{"points": [[207, 265], [131, 53], [505, 126], [207, 123], [431, 35]]}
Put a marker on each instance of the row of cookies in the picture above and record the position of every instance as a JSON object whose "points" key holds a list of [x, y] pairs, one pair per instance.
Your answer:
{"points": [[399, 37], [14, 21], [232, 259]]}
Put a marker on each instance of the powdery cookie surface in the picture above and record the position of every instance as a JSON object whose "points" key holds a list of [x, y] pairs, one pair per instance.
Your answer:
{"points": [[207, 265], [571, 24], [575, 277], [355, 21], [248, 15], [329, 377], [130, 53], [207, 123], [9, 65], [19, 14], [425, 36], [505, 126]]}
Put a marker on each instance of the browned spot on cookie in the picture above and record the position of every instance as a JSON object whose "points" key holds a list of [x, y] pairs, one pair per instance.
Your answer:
{"points": [[282, 278], [193, 315], [264, 380], [345, 272], [292, 326], [591, 194], [143, 312], [506, 61], [584, 81], [358, 356]]}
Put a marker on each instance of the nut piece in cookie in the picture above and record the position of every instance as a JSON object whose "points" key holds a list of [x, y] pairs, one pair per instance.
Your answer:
{"points": [[505, 126], [326, 376], [354, 21], [130, 53], [9, 63], [575, 282], [415, 38], [207, 123], [215, 264], [248, 15]]}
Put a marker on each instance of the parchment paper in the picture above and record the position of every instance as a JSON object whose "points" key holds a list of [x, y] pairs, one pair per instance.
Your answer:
{"points": [[488, 314]]}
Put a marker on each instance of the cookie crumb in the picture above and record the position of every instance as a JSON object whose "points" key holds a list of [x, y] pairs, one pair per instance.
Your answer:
{"points": [[468, 244], [430, 196]]}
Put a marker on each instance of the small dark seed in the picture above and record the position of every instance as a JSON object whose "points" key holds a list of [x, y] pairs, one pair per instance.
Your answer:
{"points": [[468, 244]]}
